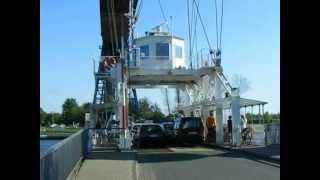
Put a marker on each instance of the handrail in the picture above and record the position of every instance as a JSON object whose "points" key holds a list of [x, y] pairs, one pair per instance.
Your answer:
{"points": [[59, 161]]}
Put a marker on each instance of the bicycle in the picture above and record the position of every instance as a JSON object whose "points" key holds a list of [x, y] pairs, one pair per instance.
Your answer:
{"points": [[247, 135]]}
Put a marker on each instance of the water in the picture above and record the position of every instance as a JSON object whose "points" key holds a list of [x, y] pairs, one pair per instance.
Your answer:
{"points": [[45, 144], [258, 138]]}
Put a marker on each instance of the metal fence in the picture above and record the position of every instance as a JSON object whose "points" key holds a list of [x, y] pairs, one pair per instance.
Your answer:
{"points": [[118, 138], [272, 133], [61, 159]]}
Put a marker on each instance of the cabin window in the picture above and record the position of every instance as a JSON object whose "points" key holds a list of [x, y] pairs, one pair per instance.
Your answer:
{"points": [[144, 51], [178, 51], [162, 50]]}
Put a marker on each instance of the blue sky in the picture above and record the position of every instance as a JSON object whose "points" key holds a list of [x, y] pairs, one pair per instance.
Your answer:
{"points": [[70, 37]]}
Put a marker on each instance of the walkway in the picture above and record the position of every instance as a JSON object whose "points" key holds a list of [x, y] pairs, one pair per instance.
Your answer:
{"points": [[108, 165]]}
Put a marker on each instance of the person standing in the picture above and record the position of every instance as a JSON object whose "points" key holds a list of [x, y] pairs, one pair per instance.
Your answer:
{"points": [[211, 126], [243, 122], [229, 127]]}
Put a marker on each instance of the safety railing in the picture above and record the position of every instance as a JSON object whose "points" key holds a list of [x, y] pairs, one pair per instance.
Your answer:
{"points": [[272, 133], [111, 138], [61, 159]]}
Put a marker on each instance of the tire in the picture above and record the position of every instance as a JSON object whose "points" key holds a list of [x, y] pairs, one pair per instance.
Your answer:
{"points": [[138, 145]]}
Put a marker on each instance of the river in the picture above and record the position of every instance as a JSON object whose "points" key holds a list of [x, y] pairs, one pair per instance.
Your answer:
{"points": [[45, 144]]}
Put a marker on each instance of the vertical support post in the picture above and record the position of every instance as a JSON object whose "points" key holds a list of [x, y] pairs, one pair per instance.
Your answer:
{"points": [[252, 114], [94, 66], [235, 106], [219, 111], [178, 95], [219, 126], [96, 118], [262, 113], [259, 114]]}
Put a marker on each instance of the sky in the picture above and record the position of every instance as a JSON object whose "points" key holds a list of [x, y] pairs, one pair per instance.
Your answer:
{"points": [[70, 39]]}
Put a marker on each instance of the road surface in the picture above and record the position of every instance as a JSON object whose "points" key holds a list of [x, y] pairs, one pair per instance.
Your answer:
{"points": [[200, 163]]}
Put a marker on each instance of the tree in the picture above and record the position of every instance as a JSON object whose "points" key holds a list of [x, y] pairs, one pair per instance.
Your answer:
{"points": [[147, 111], [43, 115], [53, 118], [84, 108], [157, 115], [71, 111]]}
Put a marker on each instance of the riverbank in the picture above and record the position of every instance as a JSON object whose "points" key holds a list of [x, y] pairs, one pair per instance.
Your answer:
{"points": [[57, 133]]}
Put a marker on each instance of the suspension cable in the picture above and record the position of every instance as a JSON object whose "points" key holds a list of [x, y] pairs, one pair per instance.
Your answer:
{"points": [[114, 24], [162, 12], [221, 24], [110, 30], [190, 52], [195, 30], [216, 8], [203, 27], [139, 10]]}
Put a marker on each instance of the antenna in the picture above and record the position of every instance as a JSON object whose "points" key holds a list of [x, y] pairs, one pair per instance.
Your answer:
{"points": [[171, 24], [94, 65]]}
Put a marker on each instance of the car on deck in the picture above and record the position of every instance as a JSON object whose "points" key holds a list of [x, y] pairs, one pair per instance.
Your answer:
{"points": [[189, 130], [168, 130], [148, 134]]}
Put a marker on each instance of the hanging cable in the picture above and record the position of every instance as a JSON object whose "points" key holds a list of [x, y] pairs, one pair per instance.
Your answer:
{"points": [[162, 12], [195, 30], [138, 11], [114, 25], [110, 25], [221, 24], [217, 36], [203, 27], [190, 52], [191, 21]]}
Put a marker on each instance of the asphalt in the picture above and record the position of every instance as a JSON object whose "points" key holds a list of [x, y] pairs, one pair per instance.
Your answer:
{"points": [[186, 163], [202, 163], [269, 153]]}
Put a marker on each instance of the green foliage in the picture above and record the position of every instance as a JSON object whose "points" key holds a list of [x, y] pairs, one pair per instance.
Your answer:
{"points": [[71, 112], [268, 118], [146, 111], [84, 108], [171, 116], [43, 115]]}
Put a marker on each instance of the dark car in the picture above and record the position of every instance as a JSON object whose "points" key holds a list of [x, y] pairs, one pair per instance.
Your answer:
{"points": [[168, 130], [189, 130], [148, 134]]}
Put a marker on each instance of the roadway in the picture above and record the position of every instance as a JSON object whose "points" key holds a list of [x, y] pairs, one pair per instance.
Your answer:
{"points": [[200, 163]]}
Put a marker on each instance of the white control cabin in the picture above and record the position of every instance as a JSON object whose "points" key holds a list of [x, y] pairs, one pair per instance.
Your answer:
{"points": [[159, 50]]}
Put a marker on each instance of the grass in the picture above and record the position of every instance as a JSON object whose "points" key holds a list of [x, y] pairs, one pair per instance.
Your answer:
{"points": [[259, 127], [58, 131]]}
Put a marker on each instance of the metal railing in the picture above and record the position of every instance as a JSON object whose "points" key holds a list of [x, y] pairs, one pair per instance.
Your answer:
{"points": [[60, 160], [112, 138], [272, 133]]}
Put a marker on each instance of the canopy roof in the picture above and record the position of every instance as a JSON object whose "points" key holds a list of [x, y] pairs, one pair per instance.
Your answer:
{"points": [[227, 103]]}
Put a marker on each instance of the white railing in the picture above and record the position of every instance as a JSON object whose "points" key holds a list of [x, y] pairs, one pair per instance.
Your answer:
{"points": [[272, 133], [61, 159], [111, 137]]}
